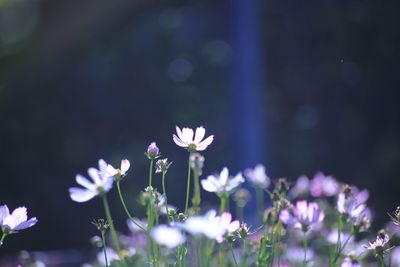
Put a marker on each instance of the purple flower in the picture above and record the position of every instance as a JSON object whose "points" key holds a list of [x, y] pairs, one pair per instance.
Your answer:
{"points": [[379, 244], [15, 221], [184, 138], [322, 185], [303, 215], [153, 151]]}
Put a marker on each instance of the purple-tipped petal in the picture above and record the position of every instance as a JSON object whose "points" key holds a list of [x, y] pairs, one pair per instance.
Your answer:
{"points": [[26, 224]]}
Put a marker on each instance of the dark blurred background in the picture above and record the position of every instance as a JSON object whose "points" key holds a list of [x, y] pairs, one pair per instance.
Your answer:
{"points": [[299, 86]]}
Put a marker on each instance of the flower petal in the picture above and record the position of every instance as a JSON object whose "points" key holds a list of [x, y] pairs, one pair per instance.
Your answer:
{"points": [[94, 174], [4, 212], [125, 165], [179, 142], [210, 184], [26, 224], [81, 180], [179, 132], [187, 135], [204, 144], [81, 195], [199, 135]]}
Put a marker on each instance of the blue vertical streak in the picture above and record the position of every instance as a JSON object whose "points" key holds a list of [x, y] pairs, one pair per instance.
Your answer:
{"points": [[247, 85]]}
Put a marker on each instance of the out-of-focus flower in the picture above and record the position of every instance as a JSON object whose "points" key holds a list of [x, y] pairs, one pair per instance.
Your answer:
{"points": [[351, 203], [111, 256], [296, 254], [241, 197], [102, 183], [282, 185], [167, 236], [322, 185], [197, 162], [211, 226], [395, 256], [184, 138], [349, 262], [222, 183], [379, 245], [162, 165], [153, 151], [125, 164], [257, 176], [302, 215], [302, 186], [15, 221]]}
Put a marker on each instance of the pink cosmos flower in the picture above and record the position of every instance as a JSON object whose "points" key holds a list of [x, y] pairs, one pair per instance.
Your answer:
{"points": [[15, 221], [302, 215], [125, 165], [184, 138]]}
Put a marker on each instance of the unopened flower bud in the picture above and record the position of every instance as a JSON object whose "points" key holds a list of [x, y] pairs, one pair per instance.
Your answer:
{"points": [[197, 162], [181, 217], [153, 151], [269, 216], [282, 185]]}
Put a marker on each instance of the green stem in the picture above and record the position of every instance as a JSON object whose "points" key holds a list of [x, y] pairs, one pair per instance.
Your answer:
{"points": [[233, 255], [104, 247], [151, 172], [244, 253], [2, 239], [165, 194], [196, 200], [126, 209], [260, 203], [222, 206], [305, 241], [188, 187], [114, 236], [338, 243], [381, 262]]}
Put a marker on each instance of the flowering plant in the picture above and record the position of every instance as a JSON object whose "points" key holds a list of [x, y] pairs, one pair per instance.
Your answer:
{"points": [[310, 222]]}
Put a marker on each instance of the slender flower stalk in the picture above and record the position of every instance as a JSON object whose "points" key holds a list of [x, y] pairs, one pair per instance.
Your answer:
{"points": [[305, 245], [114, 235], [2, 239], [103, 239], [126, 209], [187, 188], [102, 226]]}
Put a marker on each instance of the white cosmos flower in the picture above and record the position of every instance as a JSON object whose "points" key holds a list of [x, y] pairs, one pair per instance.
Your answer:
{"points": [[222, 183], [167, 236], [125, 164], [210, 225], [15, 221], [184, 138], [257, 176], [102, 183]]}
